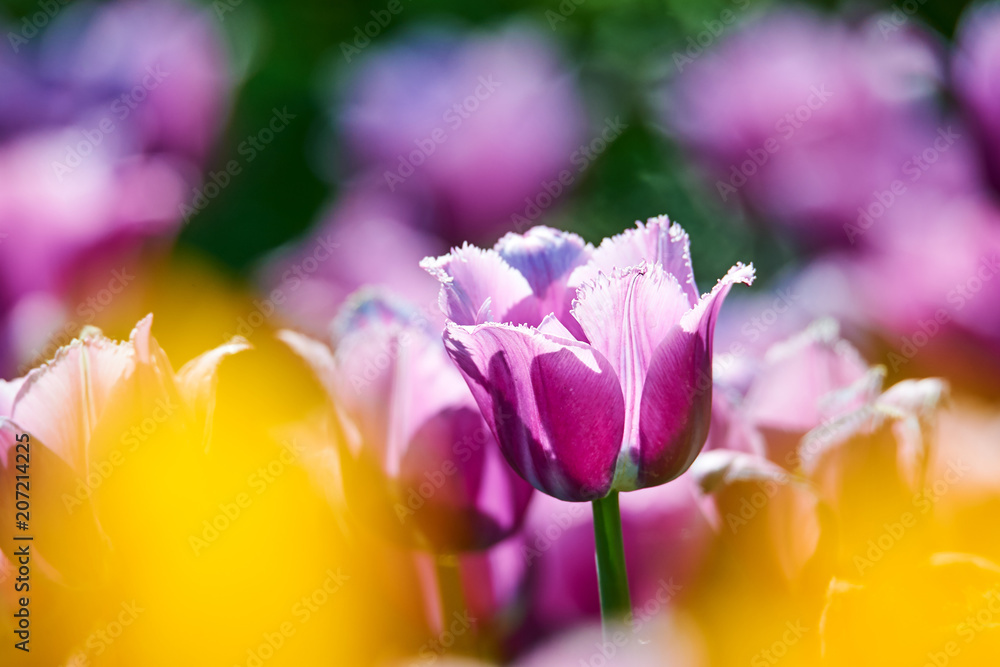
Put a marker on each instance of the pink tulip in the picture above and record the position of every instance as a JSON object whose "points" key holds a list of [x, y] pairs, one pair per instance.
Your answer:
{"points": [[418, 461], [66, 409], [592, 366], [479, 121]]}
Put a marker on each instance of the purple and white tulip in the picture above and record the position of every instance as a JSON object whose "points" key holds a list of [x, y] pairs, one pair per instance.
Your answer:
{"points": [[592, 366]]}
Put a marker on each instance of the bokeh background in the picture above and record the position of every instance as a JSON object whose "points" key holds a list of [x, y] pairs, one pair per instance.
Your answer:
{"points": [[241, 167]]}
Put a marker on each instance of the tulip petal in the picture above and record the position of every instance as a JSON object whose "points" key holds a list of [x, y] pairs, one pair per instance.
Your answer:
{"points": [[198, 379], [8, 390], [470, 277], [655, 242], [625, 316], [784, 532], [555, 405], [62, 401], [546, 257], [552, 326], [798, 373], [676, 407], [543, 255], [477, 499], [63, 521]]}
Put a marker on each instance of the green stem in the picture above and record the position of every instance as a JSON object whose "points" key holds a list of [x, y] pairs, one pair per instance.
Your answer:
{"points": [[612, 577]]}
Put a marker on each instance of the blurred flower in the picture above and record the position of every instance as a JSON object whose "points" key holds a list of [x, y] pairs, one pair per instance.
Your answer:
{"points": [[417, 459], [366, 239], [793, 390], [61, 405], [608, 387], [816, 125], [87, 414], [657, 639], [949, 619], [943, 319], [963, 477], [976, 75], [815, 425], [156, 68], [479, 121], [118, 105]]}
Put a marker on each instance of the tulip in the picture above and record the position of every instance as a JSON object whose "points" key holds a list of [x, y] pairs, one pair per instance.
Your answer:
{"points": [[815, 425], [167, 77], [104, 124], [78, 416], [477, 122], [975, 72], [319, 272], [418, 461], [592, 366], [809, 122], [61, 405], [588, 364]]}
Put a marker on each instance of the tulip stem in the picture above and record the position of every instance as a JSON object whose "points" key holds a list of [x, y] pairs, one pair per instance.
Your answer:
{"points": [[612, 577]]}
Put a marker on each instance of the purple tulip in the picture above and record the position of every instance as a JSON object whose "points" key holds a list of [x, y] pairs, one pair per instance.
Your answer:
{"points": [[417, 459], [592, 366], [480, 122], [109, 113], [976, 75], [809, 122], [156, 68]]}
